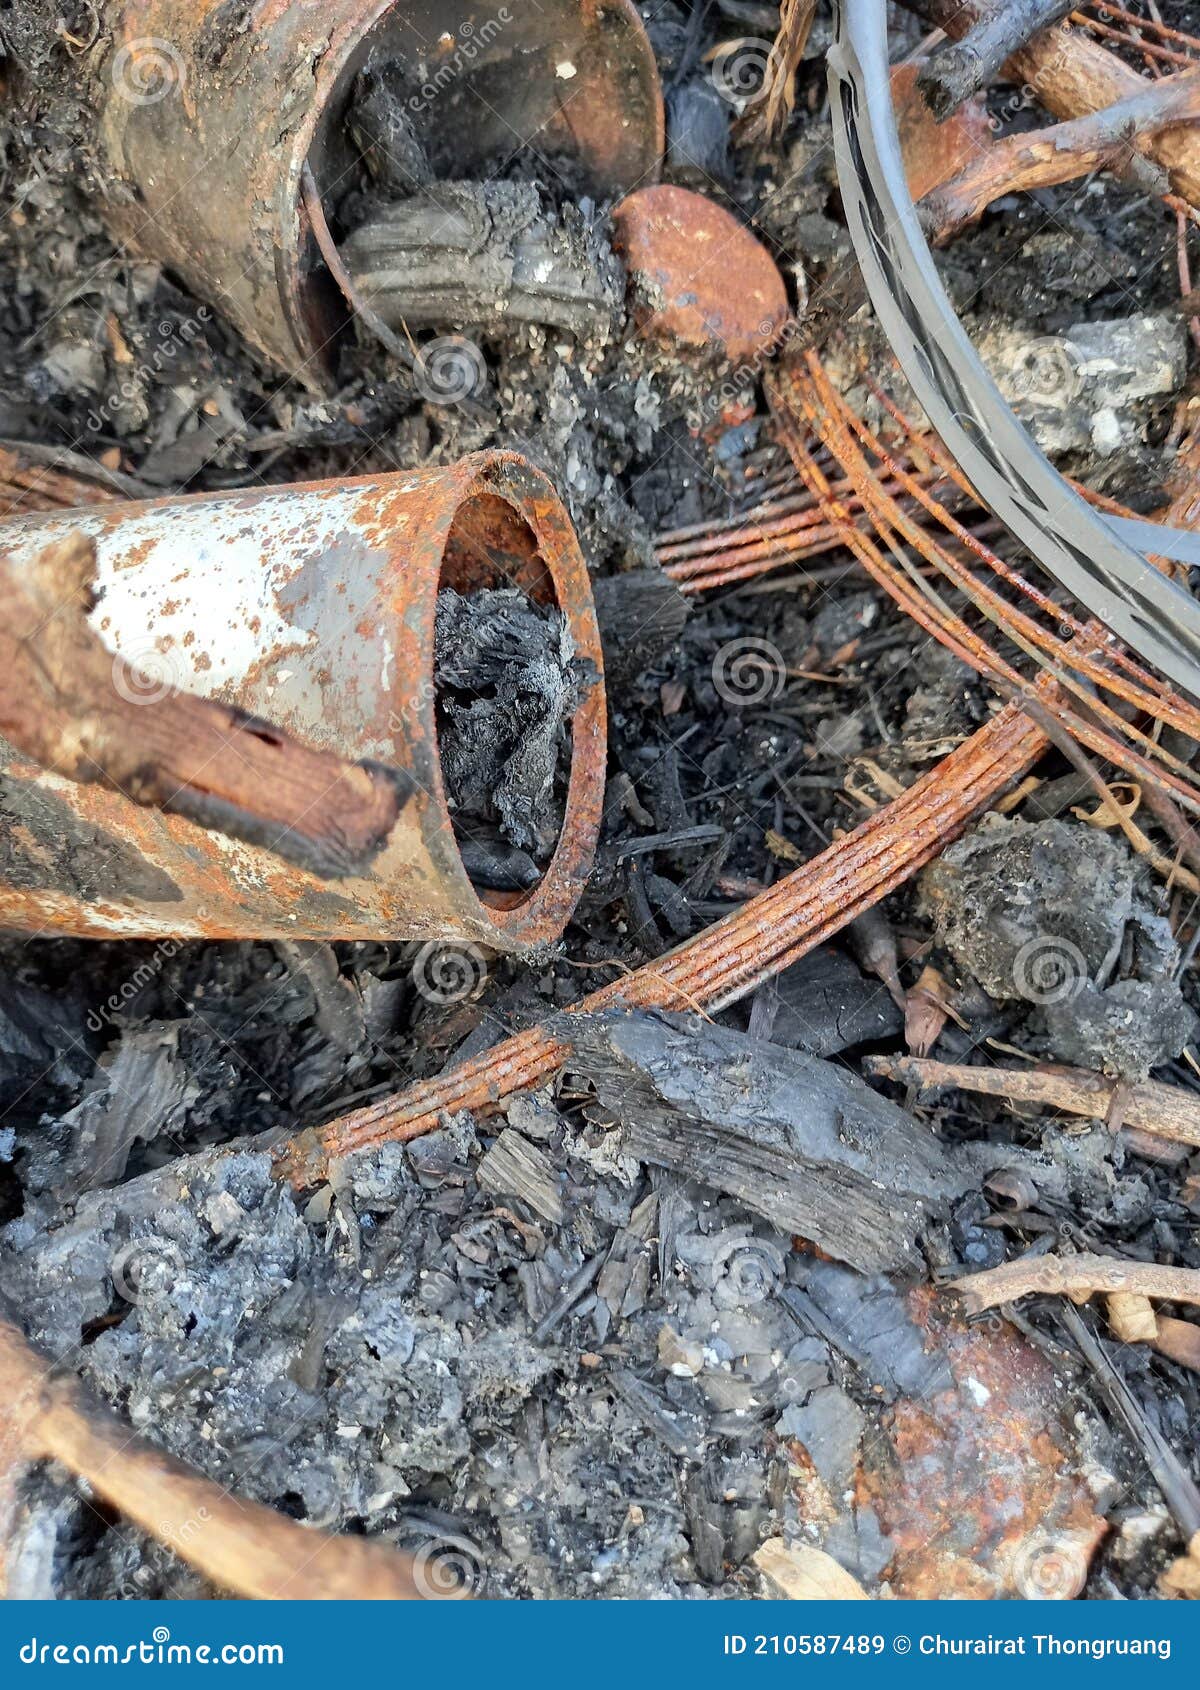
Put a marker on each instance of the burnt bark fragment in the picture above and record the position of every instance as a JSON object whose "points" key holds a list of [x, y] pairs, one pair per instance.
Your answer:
{"points": [[478, 254], [798, 1141], [962, 68]]}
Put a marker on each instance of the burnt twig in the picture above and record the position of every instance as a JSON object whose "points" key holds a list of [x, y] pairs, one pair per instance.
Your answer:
{"points": [[1109, 139], [964, 67], [1076, 1277], [1164, 1111]]}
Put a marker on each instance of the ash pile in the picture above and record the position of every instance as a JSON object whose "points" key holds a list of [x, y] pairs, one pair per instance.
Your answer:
{"points": [[703, 1308]]}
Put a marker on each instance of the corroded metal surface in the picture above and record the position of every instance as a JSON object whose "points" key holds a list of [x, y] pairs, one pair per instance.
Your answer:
{"points": [[979, 1487], [312, 607], [206, 121], [700, 277]]}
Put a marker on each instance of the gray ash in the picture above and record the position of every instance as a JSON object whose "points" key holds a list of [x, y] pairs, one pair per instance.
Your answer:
{"points": [[508, 683]]}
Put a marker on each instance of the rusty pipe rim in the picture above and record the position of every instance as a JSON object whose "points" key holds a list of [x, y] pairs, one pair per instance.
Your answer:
{"points": [[619, 152], [315, 605], [551, 570], [249, 102]]}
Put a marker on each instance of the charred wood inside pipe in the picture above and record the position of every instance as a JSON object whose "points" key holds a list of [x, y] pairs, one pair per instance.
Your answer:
{"points": [[480, 253], [509, 683]]}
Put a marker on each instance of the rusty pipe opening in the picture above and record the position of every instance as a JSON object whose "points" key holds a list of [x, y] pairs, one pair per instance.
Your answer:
{"points": [[191, 93], [313, 607]]}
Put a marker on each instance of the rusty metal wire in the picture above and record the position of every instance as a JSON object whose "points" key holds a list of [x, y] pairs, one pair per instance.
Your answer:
{"points": [[985, 610], [1156, 42]]}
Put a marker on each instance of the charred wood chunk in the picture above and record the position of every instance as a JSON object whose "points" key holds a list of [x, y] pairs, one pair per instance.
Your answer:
{"points": [[479, 254], [797, 1140]]}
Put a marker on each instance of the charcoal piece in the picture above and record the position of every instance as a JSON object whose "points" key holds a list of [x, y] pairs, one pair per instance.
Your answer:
{"points": [[798, 1141], [680, 1435], [869, 1322], [641, 614], [824, 1004], [508, 682], [830, 1428], [382, 130], [491, 861], [1126, 1030], [476, 255], [698, 131], [726, 1506], [142, 1088], [1012, 901]]}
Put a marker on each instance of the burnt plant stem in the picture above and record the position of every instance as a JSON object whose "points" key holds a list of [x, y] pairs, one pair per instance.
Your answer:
{"points": [[962, 68]]}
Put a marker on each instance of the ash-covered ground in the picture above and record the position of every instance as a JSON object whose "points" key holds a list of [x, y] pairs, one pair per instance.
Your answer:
{"points": [[534, 1343]]}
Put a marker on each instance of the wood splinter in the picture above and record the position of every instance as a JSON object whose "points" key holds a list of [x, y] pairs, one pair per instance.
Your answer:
{"points": [[73, 707], [1114, 138]]}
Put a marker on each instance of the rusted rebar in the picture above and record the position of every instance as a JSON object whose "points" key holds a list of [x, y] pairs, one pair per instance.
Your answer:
{"points": [[808, 408]]}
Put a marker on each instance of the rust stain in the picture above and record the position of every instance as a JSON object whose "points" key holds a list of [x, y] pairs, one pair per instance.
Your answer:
{"points": [[681, 250], [979, 1488]]}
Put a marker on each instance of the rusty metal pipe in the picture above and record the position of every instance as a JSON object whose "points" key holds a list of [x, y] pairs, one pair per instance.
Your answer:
{"points": [[312, 607], [205, 122]]}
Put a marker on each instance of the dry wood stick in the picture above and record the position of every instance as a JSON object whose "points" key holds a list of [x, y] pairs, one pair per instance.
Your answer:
{"points": [[73, 707], [1163, 1111], [1102, 140], [1076, 1277], [1073, 75], [962, 68], [243, 1547], [727, 961]]}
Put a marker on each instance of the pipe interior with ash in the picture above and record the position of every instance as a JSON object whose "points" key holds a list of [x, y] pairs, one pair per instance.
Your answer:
{"points": [[509, 681]]}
